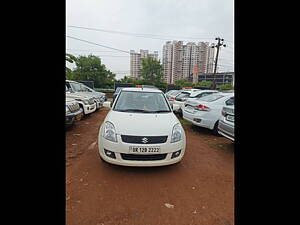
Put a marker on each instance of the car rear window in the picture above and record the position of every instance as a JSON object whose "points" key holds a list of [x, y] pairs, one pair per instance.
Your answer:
{"points": [[182, 95], [211, 98], [174, 93]]}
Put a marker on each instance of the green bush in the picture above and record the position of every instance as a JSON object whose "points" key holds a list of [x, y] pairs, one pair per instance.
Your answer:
{"points": [[225, 87]]}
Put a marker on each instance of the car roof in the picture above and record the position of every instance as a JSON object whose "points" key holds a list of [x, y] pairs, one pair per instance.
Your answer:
{"points": [[142, 89], [224, 93]]}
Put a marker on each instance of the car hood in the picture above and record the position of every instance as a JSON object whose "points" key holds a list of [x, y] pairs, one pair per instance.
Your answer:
{"points": [[76, 95], [142, 124], [69, 100]]}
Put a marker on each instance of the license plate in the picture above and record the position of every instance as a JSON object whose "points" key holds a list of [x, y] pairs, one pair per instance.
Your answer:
{"points": [[78, 117], [230, 118], [189, 109], [134, 149]]}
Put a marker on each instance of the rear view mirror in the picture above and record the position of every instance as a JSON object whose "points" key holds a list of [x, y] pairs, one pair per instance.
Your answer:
{"points": [[107, 104]]}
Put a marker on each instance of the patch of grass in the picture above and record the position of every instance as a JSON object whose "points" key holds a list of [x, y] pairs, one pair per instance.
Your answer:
{"points": [[222, 146], [184, 122]]}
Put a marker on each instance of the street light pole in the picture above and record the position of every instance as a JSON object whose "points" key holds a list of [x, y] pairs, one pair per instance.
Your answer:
{"points": [[217, 56]]}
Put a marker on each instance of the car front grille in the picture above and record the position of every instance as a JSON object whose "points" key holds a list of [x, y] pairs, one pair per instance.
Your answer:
{"points": [[135, 157], [144, 139], [74, 107]]}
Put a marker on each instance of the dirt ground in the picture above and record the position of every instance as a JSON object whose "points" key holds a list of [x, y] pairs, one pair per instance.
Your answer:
{"points": [[198, 190]]}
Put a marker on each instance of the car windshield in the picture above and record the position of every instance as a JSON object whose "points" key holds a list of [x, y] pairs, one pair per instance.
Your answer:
{"points": [[211, 98], [143, 102]]}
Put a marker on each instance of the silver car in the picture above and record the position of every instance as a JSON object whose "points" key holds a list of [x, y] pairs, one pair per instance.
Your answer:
{"points": [[226, 122]]}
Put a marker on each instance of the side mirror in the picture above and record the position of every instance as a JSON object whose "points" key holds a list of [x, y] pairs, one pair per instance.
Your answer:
{"points": [[175, 107], [107, 104]]}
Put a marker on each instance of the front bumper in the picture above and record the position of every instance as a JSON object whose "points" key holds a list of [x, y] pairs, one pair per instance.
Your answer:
{"points": [[226, 130], [121, 147], [89, 108], [98, 104], [71, 117]]}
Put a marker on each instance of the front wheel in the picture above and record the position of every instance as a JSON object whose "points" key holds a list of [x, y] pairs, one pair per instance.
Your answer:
{"points": [[215, 130]]}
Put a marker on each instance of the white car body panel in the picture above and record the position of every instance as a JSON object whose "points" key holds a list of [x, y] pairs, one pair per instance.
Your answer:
{"points": [[141, 124], [208, 118]]}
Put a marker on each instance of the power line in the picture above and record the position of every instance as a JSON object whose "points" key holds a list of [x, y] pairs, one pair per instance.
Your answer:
{"points": [[97, 44], [153, 36], [86, 50], [108, 55]]}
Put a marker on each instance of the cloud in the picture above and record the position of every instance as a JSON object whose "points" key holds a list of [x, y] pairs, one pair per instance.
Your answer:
{"points": [[204, 19]]}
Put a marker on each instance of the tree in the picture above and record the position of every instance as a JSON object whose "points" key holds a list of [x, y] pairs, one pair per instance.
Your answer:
{"points": [[71, 59], [89, 68], [204, 83], [183, 83], [225, 87], [151, 71]]}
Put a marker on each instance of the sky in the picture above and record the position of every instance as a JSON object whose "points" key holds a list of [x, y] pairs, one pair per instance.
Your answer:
{"points": [[146, 24]]}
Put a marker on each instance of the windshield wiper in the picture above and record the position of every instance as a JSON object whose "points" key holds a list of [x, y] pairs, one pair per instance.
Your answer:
{"points": [[160, 111], [132, 110], [141, 110]]}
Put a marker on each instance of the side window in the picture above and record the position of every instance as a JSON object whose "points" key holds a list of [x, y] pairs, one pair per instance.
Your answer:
{"points": [[86, 88], [76, 87], [83, 88], [68, 87], [230, 101]]}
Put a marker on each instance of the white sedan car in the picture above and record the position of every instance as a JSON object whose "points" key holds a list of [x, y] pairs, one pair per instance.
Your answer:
{"points": [[141, 130], [206, 111], [188, 95]]}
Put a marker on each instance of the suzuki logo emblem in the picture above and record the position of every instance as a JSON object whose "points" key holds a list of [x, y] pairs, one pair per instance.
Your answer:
{"points": [[144, 140]]}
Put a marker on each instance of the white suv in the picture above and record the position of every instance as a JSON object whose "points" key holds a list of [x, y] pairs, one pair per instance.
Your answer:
{"points": [[141, 130], [82, 89], [86, 103]]}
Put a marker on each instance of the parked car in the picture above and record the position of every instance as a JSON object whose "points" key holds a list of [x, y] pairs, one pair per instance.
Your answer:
{"points": [[87, 104], [201, 93], [171, 97], [115, 94], [190, 94], [73, 111], [206, 111], [226, 122], [141, 130], [77, 87]]}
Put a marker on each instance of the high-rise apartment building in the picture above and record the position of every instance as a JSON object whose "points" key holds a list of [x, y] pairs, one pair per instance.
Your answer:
{"points": [[180, 60], [172, 61], [136, 61]]}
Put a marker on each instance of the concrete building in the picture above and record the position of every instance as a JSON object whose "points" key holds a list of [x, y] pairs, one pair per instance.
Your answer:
{"points": [[221, 78], [136, 61], [180, 60], [172, 61]]}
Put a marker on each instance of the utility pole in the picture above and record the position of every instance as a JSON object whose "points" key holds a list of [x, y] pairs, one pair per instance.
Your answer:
{"points": [[218, 48]]}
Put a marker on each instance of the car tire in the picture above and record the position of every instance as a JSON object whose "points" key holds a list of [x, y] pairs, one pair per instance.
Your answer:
{"points": [[215, 130]]}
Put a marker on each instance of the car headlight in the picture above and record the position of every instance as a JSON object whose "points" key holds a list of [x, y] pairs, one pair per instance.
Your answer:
{"points": [[176, 133], [86, 102], [109, 132]]}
